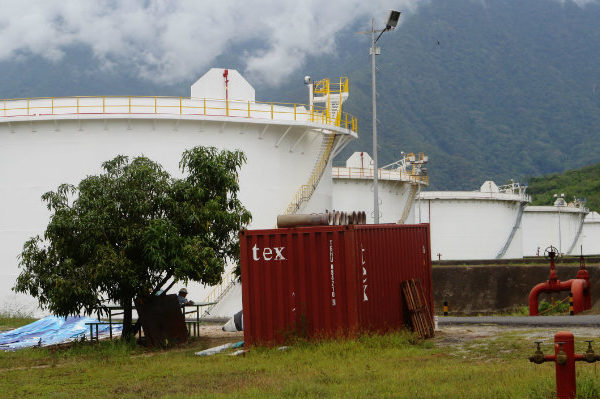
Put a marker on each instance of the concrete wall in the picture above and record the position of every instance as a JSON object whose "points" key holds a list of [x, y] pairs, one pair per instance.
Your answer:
{"points": [[486, 289]]}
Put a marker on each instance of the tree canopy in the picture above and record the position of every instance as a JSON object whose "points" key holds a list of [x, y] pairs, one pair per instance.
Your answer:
{"points": [[126, 232]]}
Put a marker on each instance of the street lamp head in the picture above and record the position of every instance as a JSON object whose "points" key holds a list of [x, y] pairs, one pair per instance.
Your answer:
{"points": [[392, 20], [307, 80]]}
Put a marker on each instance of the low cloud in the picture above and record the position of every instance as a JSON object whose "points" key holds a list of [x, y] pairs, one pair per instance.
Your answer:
{"points": [[171, 41]]}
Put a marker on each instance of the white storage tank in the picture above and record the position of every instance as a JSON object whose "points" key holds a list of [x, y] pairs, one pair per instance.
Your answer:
{"points": [[48, 141], [559, 225], [482, 224], [589, 240], [398, 183]]}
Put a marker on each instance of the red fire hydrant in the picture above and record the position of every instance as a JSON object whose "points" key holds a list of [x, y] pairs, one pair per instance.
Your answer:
{"points": [[564, 357]]}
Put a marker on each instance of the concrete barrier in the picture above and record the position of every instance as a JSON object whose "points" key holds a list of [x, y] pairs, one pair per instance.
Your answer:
{"points": [[485, 289]]}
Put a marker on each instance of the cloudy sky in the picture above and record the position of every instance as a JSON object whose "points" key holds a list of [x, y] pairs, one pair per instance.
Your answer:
{"points": [[170, 41]]}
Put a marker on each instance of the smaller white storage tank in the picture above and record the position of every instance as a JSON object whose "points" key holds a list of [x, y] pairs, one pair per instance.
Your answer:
{"points": [[589, 240], [476, 225], [398, 185], [559, 225]]}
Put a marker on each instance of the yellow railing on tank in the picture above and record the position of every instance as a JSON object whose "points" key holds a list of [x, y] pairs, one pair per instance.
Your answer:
{"points": [[325, 87], [116, 105]]}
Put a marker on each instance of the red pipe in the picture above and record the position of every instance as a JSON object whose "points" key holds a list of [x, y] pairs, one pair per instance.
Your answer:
{"points": [[226, 75], [549, 286], [579, 288]]}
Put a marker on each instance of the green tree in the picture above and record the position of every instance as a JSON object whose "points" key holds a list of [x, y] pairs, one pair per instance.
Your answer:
{"points": [[128, 231]]}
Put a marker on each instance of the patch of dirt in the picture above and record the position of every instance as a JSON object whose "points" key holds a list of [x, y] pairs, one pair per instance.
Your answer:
{"points": [[458, 334], [215, 331]]}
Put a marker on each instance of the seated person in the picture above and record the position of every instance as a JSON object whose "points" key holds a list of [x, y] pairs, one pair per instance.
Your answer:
{"points": [[182, 300]]}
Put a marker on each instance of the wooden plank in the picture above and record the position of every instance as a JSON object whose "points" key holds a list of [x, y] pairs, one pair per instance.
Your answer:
{"points": [[418, 308]]}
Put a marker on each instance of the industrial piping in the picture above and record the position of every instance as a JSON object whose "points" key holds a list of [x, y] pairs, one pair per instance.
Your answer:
{"points": [[327, 218], [579, 287]]}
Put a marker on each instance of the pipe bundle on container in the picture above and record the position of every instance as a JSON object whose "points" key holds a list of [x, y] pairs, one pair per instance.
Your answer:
{"points": [[327, 218]]}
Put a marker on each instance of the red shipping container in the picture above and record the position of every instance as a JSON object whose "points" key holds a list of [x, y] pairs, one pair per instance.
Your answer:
{"points": [[330, 280]]}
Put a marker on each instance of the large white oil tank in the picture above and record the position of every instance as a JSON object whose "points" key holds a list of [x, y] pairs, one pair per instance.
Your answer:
{"points": [[48, 141], [482, 224], [398, 184], [559, 225], [589, 240]]}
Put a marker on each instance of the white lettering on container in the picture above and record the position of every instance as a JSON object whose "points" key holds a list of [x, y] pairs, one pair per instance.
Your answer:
{"points": [[267, 253], [364, 272], [333, 302]]}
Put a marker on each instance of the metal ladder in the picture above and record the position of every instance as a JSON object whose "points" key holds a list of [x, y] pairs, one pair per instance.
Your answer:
{"points": [[413, 193]]}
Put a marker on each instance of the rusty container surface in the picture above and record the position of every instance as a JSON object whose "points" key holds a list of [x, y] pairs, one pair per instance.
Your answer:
{"points": [[388, 255], [329, 280]]}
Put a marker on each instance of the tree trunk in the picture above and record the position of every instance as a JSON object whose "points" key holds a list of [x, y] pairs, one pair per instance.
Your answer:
{"points": [[128, 330]]}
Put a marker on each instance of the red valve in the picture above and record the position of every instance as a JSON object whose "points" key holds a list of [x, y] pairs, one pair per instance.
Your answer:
{"points": [[564, 358]]}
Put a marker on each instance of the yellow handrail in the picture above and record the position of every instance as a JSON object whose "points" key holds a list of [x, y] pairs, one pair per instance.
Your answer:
{"points": [[90, 105]]}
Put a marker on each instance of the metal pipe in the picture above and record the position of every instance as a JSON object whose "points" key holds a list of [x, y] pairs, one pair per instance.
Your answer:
{"points": [[295, 220], [343, 218], [354, 218], [336, 218]]}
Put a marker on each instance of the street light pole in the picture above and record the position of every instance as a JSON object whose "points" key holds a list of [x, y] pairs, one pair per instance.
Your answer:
{"points": [[374, 95], [392, 22]]}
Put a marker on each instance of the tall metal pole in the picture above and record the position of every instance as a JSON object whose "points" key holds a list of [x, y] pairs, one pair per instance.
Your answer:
{"points": [[374, 94]]}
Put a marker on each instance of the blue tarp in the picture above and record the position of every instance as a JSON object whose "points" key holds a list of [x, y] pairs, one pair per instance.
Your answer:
{"points": [[52, 330]]}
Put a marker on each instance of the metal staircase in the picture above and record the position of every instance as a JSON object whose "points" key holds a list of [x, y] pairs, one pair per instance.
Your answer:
{"points": [[304, 193], [413, 193], [333, 95]]}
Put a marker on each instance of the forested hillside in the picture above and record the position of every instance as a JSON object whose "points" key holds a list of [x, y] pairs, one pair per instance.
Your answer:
{"points": [[580, 183], [488, 89]]}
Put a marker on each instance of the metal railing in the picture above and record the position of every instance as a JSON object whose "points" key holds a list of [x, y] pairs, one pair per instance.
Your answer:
{"points": [[325, 87], [430, 195], [159, 105], [383, 174], [305, 191], [218, 290]]}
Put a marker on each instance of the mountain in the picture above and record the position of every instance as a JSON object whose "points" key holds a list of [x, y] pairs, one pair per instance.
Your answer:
{"points": [[511, 90], [488, 89], [579, 183]]}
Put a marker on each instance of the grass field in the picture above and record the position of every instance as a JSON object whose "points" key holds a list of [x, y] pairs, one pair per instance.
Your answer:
{"points": [[12, 320], [457, 364]]}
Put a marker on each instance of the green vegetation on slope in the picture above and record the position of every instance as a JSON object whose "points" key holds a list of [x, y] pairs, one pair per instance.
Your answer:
{"points": [[489, 90], [579, 183]]}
